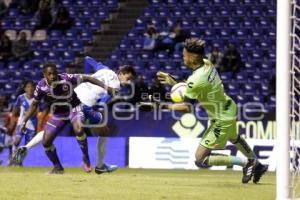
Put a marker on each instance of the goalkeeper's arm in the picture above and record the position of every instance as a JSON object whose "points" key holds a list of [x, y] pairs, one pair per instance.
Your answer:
{"points": [[166, 78]]}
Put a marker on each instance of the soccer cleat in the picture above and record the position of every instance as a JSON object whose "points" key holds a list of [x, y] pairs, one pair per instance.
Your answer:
{"points": [[259, 170], [19, 155], [57, 170], [106, 169], [248, 170], [86, 165]]}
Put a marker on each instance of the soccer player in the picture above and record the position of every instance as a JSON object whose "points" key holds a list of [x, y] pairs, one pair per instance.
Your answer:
{"points": [[90, 96], [204, 85], [57, 90], [20, 108]]}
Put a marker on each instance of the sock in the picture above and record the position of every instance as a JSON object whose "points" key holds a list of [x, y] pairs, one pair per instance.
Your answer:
{"points": [[243, 147], [37, 139], [101, 148], [52, 155], [82, 141], [224, 160]]}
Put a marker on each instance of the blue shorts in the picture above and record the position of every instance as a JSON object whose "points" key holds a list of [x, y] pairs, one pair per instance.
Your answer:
{"points": [[29, 134], [91, 114]]}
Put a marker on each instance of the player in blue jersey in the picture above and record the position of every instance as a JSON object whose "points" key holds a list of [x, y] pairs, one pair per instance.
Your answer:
{"points": [[21, 106]]}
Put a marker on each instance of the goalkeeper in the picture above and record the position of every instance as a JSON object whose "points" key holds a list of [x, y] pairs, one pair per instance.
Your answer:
{"points": [[204, 85]]}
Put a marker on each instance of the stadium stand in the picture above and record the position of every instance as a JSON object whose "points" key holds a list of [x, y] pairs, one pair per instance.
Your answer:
{"points": [[249, 24]]}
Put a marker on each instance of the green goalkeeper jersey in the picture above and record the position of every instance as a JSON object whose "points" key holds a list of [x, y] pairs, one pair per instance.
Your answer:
{"points": [[206, 86]]}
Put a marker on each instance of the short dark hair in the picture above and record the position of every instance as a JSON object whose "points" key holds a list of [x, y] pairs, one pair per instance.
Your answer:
{"points": [[127, 69], [195, 45], [51, 65]]}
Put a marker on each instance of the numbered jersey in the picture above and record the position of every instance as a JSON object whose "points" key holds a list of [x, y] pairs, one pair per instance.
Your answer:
{"points": [[90, 94], [23, 103], [206, 86]]}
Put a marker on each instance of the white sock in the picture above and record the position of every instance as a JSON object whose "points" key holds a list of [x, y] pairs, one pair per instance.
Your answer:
{"points": [[101, 148], [37, 139]]}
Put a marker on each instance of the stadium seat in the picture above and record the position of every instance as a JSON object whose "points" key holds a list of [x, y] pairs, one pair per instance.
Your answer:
{"points": [[55, 35], [39, 35], [12, 34], [71, 34], [242, 99], [46, 45], [68, 56], [62, 45], [249, 89], [242, 77]]}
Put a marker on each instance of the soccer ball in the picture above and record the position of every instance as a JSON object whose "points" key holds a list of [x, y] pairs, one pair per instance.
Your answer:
{"points": [[177, 92]]}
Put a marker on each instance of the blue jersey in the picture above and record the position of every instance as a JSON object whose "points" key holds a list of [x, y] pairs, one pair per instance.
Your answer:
{"points": [[23, 103]]}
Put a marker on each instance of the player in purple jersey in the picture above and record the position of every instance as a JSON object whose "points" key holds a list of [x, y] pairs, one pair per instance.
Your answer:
{"points": [[57, 90]]}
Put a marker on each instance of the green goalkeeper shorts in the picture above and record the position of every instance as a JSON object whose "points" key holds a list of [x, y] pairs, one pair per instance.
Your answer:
{"points": [[218, 133]]}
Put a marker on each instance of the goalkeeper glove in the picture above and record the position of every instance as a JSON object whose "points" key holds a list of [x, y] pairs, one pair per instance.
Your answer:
{"points": [[166, 78]]}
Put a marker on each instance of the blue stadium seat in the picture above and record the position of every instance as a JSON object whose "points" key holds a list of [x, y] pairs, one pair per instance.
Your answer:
{"points": [[232, 89], [28, 65], [226, 77], [94, 25], [242, 77], [264, 89], [86, 36], [62, 45], [250, 67], [102, 14], [131, 55], [46, 45], [53, 55], [162, 55], [13, 13], [68, 56], [71, 34], [257, 99], [249, 89], [242, 99], [242, 33], [6, 24], [233, 23], [13, 66], [77, 46], [79, 23], [55, 35], [155, 65]]}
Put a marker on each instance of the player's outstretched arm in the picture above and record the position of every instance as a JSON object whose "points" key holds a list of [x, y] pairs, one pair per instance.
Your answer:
{"points": [[31, 111], [95, 81], [180, 107], [166, 78]]}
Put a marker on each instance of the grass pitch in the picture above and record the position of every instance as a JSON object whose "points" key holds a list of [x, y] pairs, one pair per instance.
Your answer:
{"points": [[131, 184]]}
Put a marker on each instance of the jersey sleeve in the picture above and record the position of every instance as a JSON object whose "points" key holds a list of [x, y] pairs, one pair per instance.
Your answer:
{"points": [[74, 79], [18, 102]]}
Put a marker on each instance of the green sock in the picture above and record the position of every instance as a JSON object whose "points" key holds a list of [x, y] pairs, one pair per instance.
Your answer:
{"points": [[225, 160], [243, 147]]}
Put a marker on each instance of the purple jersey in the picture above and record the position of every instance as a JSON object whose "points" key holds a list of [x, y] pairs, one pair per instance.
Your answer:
{"points": [[60, 95]]}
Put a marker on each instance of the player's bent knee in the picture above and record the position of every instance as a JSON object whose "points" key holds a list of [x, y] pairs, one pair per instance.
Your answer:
{"points": [[202, 163]]}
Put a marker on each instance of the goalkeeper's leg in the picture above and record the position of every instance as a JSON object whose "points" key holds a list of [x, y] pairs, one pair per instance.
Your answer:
{"points": [[253, 167]]}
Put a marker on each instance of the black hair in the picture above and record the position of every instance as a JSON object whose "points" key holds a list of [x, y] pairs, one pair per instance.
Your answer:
{"points": [[51, 65], [126, 69], [26, 82], [195, 45]]}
